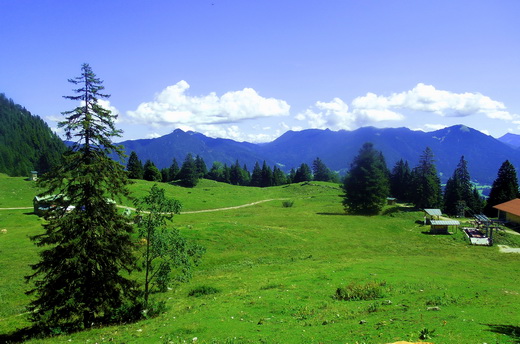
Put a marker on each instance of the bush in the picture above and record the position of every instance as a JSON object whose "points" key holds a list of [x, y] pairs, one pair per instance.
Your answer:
{"points": [[357, 292], [203, 290], [287, 204]]}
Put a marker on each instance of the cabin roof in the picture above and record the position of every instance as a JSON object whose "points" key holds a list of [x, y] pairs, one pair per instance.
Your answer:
{"points": [[433, 212], [512, 206], [445, 223]]}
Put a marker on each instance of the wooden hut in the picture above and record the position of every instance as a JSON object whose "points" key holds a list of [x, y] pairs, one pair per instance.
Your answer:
{"points": [[443, 226], [509, 211]]}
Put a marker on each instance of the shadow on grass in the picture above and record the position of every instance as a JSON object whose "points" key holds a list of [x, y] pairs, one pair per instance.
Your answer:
{"points": [[20, 335], [509, 330]]}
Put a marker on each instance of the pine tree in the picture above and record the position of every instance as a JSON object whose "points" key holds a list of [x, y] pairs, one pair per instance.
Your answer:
{"points": [[426, 182], [279, 177], [458, 193], [188, 175], [256, 176], [303, 174], [134, 167], [267, 176], [504, 188], [400, 181], [151, 172], [366, 185], [79, 280], [174, 170], [201, 167], [321, 171]]}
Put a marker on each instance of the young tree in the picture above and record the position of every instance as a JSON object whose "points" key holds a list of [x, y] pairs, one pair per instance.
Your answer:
{"points": [[321, 171], [134, 167], [458, 193], [504, 188], [164, 249], [256, 176], [151, 172], [400, 181], [174, 170], [188, 175], [426, 182], [303, 174], [79, 279], [366, 185]]}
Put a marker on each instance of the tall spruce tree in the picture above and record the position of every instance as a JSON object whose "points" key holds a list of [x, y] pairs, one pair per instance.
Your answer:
{"points": [[366, 185], [134, 167], [321, 171], [87, 253], [504, 188], [458, 193], [400, 186], [188, 175], [426, 182]]}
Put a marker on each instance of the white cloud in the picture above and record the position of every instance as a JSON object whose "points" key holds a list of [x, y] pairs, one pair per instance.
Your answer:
{"points": [[174, 107], [427, 98], [373, 108], [337, 115]]}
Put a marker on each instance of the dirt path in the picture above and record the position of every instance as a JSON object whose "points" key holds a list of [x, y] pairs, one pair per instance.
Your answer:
{"points": [[507, 249], [219, 209], [20, 208]]}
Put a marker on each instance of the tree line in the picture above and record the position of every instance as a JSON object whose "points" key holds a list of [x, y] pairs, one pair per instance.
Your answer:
{"points": [[194, 168], [26, 142], [369, 183]]}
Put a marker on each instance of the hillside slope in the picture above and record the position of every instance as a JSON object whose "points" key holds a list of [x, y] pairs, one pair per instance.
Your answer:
{"points": [[26, 142]]}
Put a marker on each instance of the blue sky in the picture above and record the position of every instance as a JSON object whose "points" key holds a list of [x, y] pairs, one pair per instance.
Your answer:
{"points": [[250, 70]]}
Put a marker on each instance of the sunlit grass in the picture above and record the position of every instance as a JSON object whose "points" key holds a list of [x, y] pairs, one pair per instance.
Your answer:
{"points": [[271, 273]]}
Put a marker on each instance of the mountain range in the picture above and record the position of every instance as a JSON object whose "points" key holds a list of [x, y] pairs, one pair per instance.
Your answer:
{"points": [[337, 149]]}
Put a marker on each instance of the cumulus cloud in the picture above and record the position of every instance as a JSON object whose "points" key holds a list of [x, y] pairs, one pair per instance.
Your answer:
{"points": [[427, 98], [173, 106], [373, 108]]}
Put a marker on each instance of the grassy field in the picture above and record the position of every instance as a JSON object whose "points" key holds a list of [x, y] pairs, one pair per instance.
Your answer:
{"points": [[274, 272]]}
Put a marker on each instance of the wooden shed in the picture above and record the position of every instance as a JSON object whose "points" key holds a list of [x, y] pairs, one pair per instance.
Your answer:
{"points": [[431, 214], [443, 226], [509, 211]]}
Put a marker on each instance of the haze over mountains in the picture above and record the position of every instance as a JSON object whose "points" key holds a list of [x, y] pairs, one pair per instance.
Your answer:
{"points": [[337, 149]]}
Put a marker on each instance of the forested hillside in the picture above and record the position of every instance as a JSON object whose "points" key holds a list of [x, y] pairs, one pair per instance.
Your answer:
{"points": [[26, 141]]}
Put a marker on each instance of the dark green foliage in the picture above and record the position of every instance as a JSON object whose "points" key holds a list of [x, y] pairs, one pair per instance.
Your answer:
{"points": [[303, 174], [267, 176], [200, 167], [188, 175], [359, 292], [79, 279], [400, 181], [366, 185], [173, 170], [505, 188], [203, 290], [26, 142], [279, 177], [165, 251], [287, 204], [256, 176], [134, 167], [426, 182], [459, 192], [151, 172], [321, 171]]}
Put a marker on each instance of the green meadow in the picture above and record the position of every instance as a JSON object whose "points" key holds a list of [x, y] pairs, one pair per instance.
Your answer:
{"points": [[271, 273]]}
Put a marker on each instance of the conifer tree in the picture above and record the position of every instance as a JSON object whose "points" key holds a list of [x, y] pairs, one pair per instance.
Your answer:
{"points": [[504, 188], [267, 176], [458, 193], [151, 172], [366, 185], [400, 181], [321, 171], [200, 166], [426, 182], [188, 174], [256, 176], [134, 167], [279, 177], [303, 174], [174, 170], [79, 280]]}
